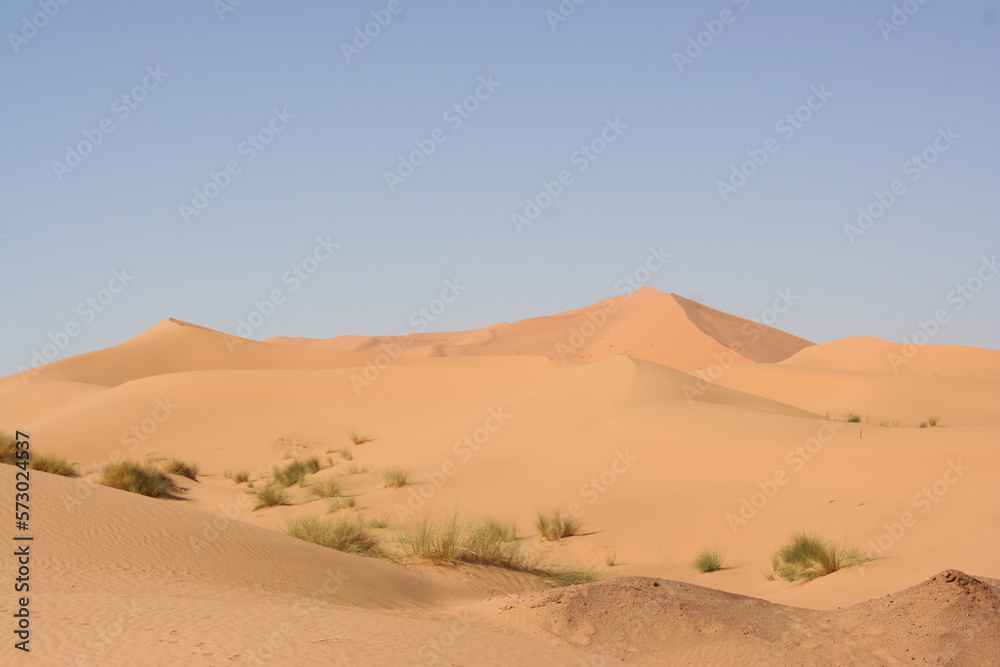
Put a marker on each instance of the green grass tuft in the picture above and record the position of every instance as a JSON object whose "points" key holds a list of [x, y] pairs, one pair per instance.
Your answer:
{"points": [[708, 560], [349, 503], [293, 473], [241, 476], [57, 465], [853, 418], [346, 454], [313, 465], [347, 535], [807, 557], [141, 478], [555, 525]]}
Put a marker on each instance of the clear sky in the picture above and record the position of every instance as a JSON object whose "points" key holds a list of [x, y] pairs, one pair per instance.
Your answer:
{"points": [[739, 137]]}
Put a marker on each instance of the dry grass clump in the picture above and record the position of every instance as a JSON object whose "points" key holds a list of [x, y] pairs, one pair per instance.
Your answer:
{"points": [[395, 478], [241, 476], [485, 541], [349, 503], [142, 478], [175, 466], [807, 557], [50, 463], [325, 488], [347, 535], [293, 473], [359, 439], [555, 525], [270, 496]]}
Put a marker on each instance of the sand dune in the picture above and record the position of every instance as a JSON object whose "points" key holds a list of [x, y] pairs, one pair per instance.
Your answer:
{"points": [[663, 328], [653, 431]]}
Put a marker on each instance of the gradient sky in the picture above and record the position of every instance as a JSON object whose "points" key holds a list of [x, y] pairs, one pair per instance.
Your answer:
{"points": [[681, 131]]}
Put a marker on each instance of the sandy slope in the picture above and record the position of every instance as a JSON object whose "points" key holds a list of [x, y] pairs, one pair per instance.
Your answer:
{"points": [[657, 462], [663, 328]]}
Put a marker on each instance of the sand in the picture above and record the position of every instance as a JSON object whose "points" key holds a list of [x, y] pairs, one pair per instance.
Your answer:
{"points": [[667, 426]]}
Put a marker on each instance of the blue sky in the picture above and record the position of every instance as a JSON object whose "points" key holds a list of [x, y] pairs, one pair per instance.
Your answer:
{"points": [[118, 115]]}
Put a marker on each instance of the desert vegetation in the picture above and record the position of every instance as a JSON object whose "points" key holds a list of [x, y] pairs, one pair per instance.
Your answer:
{"points": [[709, 560], [555, 525], [143, 478], [807, 557]]}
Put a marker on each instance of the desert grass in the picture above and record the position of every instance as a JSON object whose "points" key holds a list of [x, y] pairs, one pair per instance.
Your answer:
{"points": [[381, 521], [807, 557], [555, 525], [57, 465], [347, 535], [346, 454], [358, 469], [343, 503], [395, 478], [853, 418], [142, 478], [241, 476], [293, 473], [611, 558], [709, 560], [313, 464], [325, 488], [486, 541], [50, 463], [359, 438], [271, 495], [932, 421], [175, 466]]}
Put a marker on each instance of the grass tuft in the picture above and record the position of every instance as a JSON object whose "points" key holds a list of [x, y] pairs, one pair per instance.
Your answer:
{"points": [[357, 469], [325, 488], [395, 478], [555, 525], [380, 521], [347, 535], [141, 478], [241, 476], [346, 454], [57, 465], [807, 557], [349, 503], [708, 560], [486, 541], [175, 466], [293, 473], [611, 558], [359, 439], [313, 465], [853, 418], [270, 496]]}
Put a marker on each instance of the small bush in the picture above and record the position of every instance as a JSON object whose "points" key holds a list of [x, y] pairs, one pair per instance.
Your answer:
{"points": [[270, 496], [807, 557], [346, 454], [325, 488], [313, 465], [554, 526], [708, 560], [853, 418], [175, 466], [359, 439], [241, 476], [611, 558], [349, 503], [293, 473], [349, 536], [57, 465], [395, 478], [140, 478]]}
